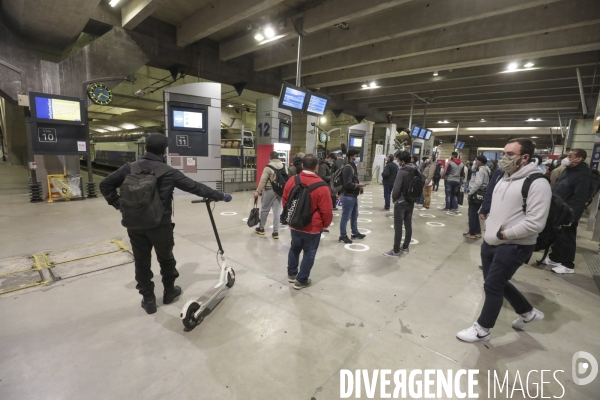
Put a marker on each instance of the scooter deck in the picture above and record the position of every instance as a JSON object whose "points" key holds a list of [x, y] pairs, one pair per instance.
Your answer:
{"points": [[208, 297]]}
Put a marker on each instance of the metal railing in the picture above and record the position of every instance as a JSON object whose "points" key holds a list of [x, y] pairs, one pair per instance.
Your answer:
{"points": [[238, 179]]}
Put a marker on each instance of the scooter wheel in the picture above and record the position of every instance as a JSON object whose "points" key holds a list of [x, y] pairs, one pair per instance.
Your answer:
{"points": [[230, 278], [190, 321]]}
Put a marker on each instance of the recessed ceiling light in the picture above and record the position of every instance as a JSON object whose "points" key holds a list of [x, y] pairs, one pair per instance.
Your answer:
{"points": [[443, 122], [534, 137], [512, 66], [533, 120], [269, 32], [259, 36], [113, 2], [435, 73], [373, 84], [482, 120], [323, 120], [364, 85], [529, 65], [229, 105], [470, 136]]}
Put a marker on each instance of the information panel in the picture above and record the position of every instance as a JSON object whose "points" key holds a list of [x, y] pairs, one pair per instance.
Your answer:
{"points": [[55, 139], [188, 119], [317, 104], [56, 109]]}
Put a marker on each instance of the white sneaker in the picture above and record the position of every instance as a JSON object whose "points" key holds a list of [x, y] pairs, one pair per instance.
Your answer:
{"points": [[561, 269], [521, 322], [421, 209], [473, 334], [548, 261]]}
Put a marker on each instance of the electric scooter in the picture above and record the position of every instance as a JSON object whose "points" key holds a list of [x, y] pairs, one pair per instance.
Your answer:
{"points": [[190, 314]]}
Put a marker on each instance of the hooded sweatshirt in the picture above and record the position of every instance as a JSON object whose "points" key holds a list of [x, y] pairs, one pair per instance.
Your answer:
{"points": [[481, 178], [455, 170], [268, 175], [506, 212]]}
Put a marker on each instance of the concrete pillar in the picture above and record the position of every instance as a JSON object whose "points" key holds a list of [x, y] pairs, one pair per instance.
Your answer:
{"points": [[15, 134], [582, 136], [304, 135]]}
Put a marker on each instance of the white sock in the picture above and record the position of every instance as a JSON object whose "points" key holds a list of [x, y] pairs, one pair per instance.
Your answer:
{"points": [[486, 330], [527, 315]]}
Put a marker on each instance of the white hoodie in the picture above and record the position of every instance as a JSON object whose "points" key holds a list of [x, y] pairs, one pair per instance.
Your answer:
{"points": [[507, 208]]}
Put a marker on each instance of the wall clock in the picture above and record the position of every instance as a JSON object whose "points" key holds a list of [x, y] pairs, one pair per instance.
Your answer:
{"points": [[100, 94]]}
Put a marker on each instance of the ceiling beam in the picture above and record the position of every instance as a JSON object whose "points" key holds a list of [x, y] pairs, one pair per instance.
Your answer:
{"points": [[415, 17], [550, 68], [478, 109], [219, 15], [135, 11], [586, 38], [320, 17], [476, 103], [541, 19]]}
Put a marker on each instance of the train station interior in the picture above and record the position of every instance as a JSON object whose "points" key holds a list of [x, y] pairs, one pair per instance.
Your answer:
{"points": [[85, 83]]}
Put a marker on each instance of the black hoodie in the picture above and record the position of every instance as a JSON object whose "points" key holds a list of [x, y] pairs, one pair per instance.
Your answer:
{"points": [[573, 187]]}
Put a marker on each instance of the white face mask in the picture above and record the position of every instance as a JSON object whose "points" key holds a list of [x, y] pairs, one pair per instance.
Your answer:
{"points": [[566, 162], [356, 160]]}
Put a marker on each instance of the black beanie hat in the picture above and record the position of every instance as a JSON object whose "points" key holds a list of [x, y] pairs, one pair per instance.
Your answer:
{"points": [[482, 158], [157, 143]]}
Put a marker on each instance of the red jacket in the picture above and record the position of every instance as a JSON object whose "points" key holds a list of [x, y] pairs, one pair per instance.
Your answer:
{"points": [[320, 202]]}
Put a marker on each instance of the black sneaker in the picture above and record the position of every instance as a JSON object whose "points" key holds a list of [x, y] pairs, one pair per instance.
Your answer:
{"points": [[260, 231], [405, 250], [291, 278], [344, 239], [149, 304], [325, 230], [298, 285], [170, 295], [358, 236], [275, 235]]}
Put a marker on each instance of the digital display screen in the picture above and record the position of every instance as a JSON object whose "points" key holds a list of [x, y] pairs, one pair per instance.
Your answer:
{"points": [[317, 104], [188, 119], [293, 98], [415, 131], [356, 142], [422, 133], [416, 150], [427, 135], [284, 132], [460, 145], [57, 109]]}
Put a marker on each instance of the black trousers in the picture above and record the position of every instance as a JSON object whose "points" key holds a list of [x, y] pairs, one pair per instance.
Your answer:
{"points": [[402, 216], [499, 264], [563, 249], [142, 242]]}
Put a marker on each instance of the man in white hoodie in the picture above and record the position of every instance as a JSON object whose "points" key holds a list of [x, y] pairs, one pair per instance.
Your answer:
{"points": [[510, 239]]}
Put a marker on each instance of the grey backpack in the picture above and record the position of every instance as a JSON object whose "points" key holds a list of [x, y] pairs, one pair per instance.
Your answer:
{"points": [[141, 206]]}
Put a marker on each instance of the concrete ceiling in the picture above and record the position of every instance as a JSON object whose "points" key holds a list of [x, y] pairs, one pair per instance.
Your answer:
{"points": [[399, 44]]}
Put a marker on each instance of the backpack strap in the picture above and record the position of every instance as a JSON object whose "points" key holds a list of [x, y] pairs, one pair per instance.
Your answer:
{"points": [[316, 185], [297, 180], [160, 171], [526, 185]]}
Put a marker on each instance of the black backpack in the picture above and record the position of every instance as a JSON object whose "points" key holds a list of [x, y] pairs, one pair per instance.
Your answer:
{"points": [[560, 214], [594, 186], [296, 212], [337, 183], [413, 189], [281, 178], [438, 172], [141, 206]]}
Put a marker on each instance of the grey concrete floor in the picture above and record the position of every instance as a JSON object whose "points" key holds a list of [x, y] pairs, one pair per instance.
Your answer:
{"points": [[88, 338]]}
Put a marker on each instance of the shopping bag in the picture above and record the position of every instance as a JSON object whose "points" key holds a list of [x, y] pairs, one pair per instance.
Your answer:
{"points": [[461, 197], [254, 217]]}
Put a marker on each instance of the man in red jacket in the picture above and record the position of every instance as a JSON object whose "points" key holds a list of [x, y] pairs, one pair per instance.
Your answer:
{"points": [[307, 239]]}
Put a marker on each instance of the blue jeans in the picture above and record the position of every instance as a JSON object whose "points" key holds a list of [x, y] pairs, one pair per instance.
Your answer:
{"points": [[499, 264], [387, 193], [309, 243], [452, 189], [349, 212], [474, 224]]}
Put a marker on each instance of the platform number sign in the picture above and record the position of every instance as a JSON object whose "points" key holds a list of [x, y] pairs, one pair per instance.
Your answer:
{"points": [[182, 140], [264, 129], [47, 135]]}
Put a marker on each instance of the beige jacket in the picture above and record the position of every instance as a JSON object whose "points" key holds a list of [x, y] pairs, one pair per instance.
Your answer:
{"points": [[268, 176], [428, 173]]}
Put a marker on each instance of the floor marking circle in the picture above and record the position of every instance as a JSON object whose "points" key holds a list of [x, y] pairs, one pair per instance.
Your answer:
{"points": [[280, 226], [427, 215], [364, 231], [245, 219], [369, 202], [366, 192], [336, 214], [435, 224], [366, 206], [363, 220], [365, 212], [363, 247], [228, 213], [391, 217]]}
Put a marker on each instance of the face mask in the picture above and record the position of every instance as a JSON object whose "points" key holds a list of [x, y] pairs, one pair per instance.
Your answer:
{"points": [[566, 162], [356, 160], [474, 167], [509, 164]]}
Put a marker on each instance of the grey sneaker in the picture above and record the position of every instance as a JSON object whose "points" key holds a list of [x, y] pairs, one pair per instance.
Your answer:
{"points": [[291, 278], [298, 285], [405, 250], [391, 253]]}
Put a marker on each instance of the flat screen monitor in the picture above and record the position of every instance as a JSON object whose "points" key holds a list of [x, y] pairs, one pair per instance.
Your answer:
{"points": [[427, 135], [416, 150], [292, 97], [189, 119], [460, 145], [58, 109], [422, 133], [284, 132], [316, 104], [356, 142], [415, 131]]}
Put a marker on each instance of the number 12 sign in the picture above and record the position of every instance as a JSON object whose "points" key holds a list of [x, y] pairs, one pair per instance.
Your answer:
{"points": [[47, 134]]}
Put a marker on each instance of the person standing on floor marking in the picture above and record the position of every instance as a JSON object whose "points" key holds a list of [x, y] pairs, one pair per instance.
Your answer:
{"points": [[352, 188], [453, 180], [510, 239], [270, 199], [159, 237], [389, 177]]}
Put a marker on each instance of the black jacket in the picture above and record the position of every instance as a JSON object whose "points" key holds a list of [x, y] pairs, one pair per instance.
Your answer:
{"points": [[166, 184], [296, 168], [573, 187], [389, 173], [324, 171], [350, 180]]}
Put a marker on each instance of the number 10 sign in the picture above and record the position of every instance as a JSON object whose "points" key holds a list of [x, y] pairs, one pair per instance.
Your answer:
{"points": [[47, 134]]}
